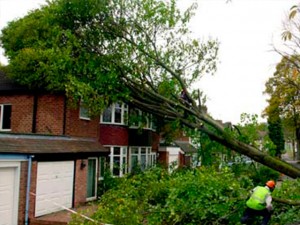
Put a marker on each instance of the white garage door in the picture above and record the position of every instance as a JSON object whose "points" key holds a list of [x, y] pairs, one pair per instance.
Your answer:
{"points": [[54, 188], [8, 195]]}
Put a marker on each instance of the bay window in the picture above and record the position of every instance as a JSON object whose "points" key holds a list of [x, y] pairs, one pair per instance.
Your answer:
{"points": [[118, 160], [142, 158], [141, 119], [115, 114]]}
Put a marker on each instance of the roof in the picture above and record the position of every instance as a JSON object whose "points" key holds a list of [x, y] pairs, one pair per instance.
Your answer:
{"points": [[40, 144], [7, 84], [186, 146]]}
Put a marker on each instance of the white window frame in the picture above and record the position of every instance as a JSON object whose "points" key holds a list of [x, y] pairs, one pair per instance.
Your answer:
{"points": [[2, 117], [149, 121], [83, 112], [138, 113], [122, 159], [113, 108], [150, 157]]}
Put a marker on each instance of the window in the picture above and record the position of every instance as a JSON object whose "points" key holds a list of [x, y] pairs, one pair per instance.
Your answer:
{"points": [[5, 123], [141, 157], [141, 119], [102, 167], [83, 112], [118, 160], [135, 117], [115, 114]]}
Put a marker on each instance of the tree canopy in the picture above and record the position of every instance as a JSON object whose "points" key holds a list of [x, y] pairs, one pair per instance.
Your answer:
{"points": [[284, 86], [136, 51]]}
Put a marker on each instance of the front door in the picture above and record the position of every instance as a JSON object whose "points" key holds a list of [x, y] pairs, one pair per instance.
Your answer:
{"points": [[92, 179]]}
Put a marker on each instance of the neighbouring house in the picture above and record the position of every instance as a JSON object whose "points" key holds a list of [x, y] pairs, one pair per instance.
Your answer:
{"points": [[131, 144], [180, 153]]}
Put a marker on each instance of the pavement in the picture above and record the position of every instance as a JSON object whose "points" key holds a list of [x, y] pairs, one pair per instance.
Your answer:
{"points": [[65, 216], [286, 157]]}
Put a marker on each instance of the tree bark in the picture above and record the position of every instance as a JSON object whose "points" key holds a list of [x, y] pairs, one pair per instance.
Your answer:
{"points": [[256, 155], [298, 143], [286, 201], [201, 121]]}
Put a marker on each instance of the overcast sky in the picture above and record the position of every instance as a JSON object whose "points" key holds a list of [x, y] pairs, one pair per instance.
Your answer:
{"points": [[246, 30]]}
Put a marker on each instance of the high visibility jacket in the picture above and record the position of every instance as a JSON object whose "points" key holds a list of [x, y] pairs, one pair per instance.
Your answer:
{"points": [[258, 198]]}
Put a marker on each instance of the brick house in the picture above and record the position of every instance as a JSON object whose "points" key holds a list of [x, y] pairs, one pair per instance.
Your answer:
{"points": [[53, 156], [180, 153]]}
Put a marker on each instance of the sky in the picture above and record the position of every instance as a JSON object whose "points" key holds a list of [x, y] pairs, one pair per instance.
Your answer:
{"points": [[247, 31]]}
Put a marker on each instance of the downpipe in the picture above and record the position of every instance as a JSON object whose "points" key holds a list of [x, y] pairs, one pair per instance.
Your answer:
{"points": [[28, 188]]}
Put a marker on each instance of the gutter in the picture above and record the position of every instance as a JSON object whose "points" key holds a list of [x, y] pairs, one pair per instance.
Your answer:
{"points": [[28, 188]]}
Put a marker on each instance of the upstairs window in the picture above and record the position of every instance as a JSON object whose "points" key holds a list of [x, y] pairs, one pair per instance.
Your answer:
{"points": [[5, 123], [83, 112], [115, 114], [141, 119]]}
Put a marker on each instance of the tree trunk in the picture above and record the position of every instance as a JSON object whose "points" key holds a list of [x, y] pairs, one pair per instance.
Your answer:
{"points": [[258, 156], [294, 149], [272, 162], [197, 119], [298, 143]]}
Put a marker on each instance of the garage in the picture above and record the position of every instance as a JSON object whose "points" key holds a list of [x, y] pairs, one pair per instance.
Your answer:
{"points": [[9, 189], [54, 189]]}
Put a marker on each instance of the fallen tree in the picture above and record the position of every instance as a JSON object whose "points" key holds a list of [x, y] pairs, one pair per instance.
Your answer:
{"points": [[115, 50]]}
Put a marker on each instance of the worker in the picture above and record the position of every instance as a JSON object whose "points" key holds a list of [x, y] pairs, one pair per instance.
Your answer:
{"points": [[184, 97], [259, 204]]}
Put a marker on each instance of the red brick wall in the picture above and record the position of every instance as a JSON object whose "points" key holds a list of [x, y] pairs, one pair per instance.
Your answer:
{"points": [[81, 128], [183, 138], [49, 118], [163, 158], [50, 114], [155, 143], [23, 190], [113, 135], [22, 111], [33, 183], [80, 183], [181, 160], [22, 193]]}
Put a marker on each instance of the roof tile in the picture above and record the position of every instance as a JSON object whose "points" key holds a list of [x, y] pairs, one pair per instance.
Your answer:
{"points": [[44, 144]]}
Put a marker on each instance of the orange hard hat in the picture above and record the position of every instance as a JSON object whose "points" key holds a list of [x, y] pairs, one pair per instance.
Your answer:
{"points": [[271, 184]]}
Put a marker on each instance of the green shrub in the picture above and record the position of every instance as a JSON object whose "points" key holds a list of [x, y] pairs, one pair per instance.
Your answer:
{"points": [[264, 174], [283, 213], [187, 197], [107, 183], [200, 196]]}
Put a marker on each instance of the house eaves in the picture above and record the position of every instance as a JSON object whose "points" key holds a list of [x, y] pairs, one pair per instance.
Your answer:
{"points": [[186, 146], [39, 144]]}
